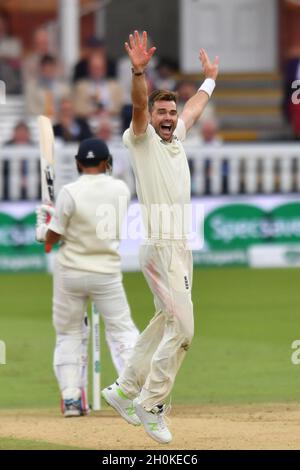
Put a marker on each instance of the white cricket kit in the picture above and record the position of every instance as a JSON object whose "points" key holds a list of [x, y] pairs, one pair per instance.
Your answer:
{"points": [[162, 178], [88, 267], [162, 181], [83, 209]]}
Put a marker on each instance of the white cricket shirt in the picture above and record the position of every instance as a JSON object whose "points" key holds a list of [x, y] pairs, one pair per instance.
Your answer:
{"points": [[163, 181], [89, 215]]}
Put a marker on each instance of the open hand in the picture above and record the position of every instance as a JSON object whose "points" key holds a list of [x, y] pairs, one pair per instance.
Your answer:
{"points": [[210, 70], [137, 51]]}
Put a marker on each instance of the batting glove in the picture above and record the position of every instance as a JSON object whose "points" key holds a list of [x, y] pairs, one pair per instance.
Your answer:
{"points": [[40, 232], [43, 217], [44, 212]]}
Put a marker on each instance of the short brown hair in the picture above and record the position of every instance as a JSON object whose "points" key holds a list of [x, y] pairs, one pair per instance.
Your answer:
{"points": [[161, 95]]}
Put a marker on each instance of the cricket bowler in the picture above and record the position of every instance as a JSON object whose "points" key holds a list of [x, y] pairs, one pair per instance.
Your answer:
{"points": [[162, 179]]}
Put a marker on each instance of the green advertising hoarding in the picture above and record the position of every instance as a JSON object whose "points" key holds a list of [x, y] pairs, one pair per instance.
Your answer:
{"points": [[243, 231], [18, 249], [239, 226]]}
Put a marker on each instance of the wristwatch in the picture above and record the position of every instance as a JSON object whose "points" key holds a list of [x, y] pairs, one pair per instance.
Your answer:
{"points": [[137, 74]]}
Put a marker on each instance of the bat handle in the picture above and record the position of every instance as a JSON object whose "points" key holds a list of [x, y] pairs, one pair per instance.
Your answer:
{"points": [[48, 246]]}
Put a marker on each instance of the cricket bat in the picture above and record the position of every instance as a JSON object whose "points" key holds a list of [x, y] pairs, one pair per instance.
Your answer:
{"points": [[46, 138]]}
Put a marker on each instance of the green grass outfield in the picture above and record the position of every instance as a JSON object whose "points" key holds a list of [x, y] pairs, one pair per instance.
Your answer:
{"points": [[23, 444], [245, 322]]}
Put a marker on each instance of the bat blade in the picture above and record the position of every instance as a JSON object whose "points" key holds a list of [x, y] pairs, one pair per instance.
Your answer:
{"points": [[46, 138]]}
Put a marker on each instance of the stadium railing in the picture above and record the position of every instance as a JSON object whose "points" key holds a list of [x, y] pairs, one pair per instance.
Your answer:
{"points": [[227, 169]]}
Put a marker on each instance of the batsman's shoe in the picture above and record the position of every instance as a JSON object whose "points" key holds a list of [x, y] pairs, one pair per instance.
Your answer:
{"points": [[75, 406], [116, 398], [72, 408], [154, 422]]}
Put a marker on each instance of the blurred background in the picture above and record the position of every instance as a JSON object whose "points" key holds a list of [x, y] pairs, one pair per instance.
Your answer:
{"points": [[66, 59]]}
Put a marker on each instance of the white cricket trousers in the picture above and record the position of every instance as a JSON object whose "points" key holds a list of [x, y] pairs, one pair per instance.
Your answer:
{"points": [[72, 290], [161, 347]]}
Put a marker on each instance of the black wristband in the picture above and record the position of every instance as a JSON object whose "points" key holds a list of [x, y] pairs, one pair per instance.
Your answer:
{"points": [[137, 74]]}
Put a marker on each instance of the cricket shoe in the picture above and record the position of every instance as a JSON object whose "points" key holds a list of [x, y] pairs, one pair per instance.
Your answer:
{"points": [[116, 398], [154, 422], [72, 408]]}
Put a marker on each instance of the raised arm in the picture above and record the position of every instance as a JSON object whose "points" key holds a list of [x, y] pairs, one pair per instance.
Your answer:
{"points": [[194, 107], [140, 57]]}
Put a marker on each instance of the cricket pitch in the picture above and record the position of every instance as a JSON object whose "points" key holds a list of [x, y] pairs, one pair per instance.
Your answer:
{"points": [[268, 426]]}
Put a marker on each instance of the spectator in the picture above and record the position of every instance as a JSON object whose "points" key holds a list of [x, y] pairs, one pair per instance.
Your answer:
{"points": [[21, 136], [69, 127], [93, 46], [41, 47], [10, 47], [163, 79], [11, 77], [97, 90], [44, 93], [10, 52], [185, 90], [104, 130], [209, 132]]}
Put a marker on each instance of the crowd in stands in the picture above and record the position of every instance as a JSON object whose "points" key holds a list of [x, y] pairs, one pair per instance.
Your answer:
{"points": [[94, 100], [10, 58], [98, 90]]}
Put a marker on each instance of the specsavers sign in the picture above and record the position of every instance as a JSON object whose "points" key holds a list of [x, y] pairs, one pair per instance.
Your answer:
{"points": [[239, 226], [257, 231]]}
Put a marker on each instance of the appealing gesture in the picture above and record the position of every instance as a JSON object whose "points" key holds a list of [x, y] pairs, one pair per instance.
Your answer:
{"points": [[137, 51], [210, 70]]}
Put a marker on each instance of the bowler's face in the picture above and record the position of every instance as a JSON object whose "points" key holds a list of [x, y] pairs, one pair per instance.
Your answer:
{"points": [[164, 119]]}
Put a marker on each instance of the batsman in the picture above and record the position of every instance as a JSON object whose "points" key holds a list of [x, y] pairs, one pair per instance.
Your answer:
{"points": [[162, 182], [87, 267]]}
